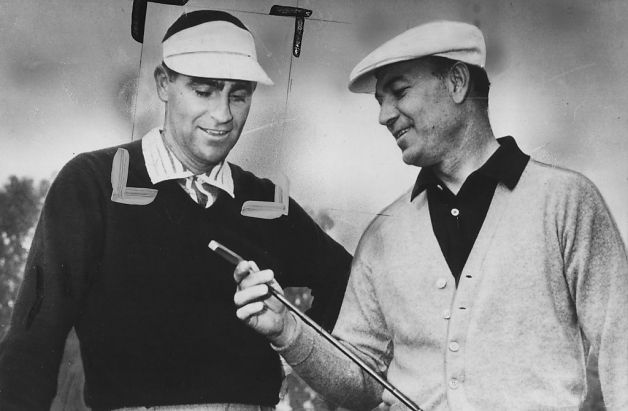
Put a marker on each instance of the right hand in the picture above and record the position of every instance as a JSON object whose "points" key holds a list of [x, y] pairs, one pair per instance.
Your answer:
{"points": [[258, 308]]}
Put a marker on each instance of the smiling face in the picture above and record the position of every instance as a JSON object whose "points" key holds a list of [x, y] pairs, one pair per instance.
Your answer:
{"points": [[204, 117], [417, 108]]}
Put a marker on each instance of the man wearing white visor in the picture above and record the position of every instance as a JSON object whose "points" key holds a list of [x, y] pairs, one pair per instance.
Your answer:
{"points": [[495, 283], [151, 304]]}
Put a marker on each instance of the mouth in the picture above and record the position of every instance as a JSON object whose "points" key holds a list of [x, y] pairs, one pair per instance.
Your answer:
{"points": [[397, 134], [216, 133]]}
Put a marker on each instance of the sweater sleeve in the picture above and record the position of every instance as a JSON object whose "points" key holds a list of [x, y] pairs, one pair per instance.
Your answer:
{"points": [[62, 254], [596, 269], [311, 258], [362, 329]]}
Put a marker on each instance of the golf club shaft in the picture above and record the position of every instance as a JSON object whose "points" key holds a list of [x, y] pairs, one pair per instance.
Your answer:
{"points": [[234, 258]]}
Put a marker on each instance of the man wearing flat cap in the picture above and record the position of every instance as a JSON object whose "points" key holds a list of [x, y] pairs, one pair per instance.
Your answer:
{"points": [[151, 304], [496, 282]]}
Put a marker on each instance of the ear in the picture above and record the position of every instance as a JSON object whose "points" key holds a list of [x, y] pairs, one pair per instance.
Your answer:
{"points": [[458, 82], [161, 82]]}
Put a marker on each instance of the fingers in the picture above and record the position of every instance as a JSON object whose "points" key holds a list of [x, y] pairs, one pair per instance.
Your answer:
{"points": [[250, 310], [243, 269], [256, 278], [253, 285], [258, 293], [257, 307], [251, 294], [273, 283]]}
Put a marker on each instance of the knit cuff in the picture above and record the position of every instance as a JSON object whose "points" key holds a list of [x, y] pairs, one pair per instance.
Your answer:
{"points": [[300, 344]]}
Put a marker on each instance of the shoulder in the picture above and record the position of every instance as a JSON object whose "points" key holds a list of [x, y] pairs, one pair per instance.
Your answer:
{"points": [[396, 213], [389, 222], [100, 161], [91, 170], [248, 185], [570, 197], [560, 182]]}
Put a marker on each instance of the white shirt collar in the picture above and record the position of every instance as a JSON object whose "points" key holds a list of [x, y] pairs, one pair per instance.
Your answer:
{"points": [[162, 165]]}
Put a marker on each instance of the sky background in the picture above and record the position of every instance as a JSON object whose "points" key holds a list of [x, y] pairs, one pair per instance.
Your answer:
{"points": [[70, 72]]}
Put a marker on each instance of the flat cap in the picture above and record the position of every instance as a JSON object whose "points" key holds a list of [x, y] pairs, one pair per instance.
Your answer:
{"points": [[212, 44], [454, 40]]}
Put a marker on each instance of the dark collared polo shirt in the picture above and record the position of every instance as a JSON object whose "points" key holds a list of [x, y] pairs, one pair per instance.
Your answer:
{"points": [[457, 218]]}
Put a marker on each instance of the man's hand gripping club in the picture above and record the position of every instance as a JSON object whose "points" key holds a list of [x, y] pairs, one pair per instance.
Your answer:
{"points": [[263, 312], [258, 308]]}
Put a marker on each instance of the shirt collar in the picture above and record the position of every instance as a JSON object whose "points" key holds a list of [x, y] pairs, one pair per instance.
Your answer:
{"points": [[505, 165], [162, 165]]}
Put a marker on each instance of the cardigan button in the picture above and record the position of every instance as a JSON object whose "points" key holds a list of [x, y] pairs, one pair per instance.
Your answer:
{"points": [[441, 282], [454, 346], [453, 383], [455, 212], [447, 314]]}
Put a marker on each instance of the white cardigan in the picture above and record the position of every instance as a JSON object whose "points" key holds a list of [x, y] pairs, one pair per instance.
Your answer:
{"points": [[547, 279]]}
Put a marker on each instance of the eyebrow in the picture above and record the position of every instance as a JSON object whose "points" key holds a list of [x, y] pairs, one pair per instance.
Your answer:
{"points": [[199, 81], [220, 84], [243, 85]]}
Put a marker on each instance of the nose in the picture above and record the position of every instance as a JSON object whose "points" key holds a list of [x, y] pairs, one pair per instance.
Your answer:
{"points": [[388, 113], [220, 110]]}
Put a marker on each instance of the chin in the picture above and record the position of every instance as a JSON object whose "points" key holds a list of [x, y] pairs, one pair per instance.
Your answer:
{"points": [[212, 158], [411, 159]]}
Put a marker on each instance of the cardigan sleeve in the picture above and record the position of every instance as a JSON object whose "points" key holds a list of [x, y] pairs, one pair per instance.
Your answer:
{"points": [[596, 270], [63, 252], [362, 329]]}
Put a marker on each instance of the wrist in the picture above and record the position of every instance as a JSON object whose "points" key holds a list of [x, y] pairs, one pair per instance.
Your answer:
{"points": [[289, 330]]}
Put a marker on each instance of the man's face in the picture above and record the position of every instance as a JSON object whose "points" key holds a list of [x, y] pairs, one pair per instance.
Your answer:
{"points": [[415, 105], [204, 116]]}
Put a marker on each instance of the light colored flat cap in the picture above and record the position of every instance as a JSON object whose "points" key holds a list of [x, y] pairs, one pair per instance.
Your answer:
{"points": [[451, 39], [212, 44]]}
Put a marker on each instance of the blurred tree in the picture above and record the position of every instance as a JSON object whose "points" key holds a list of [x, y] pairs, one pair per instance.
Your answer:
{"points": [[20, 203]]}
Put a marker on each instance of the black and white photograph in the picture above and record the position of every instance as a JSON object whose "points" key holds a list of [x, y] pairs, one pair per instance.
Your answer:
{"points": [[318, 205]]}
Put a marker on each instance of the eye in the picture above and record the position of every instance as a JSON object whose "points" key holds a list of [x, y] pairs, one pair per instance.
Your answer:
{"points": [[239, 97], [400, 92], [203, 93]]}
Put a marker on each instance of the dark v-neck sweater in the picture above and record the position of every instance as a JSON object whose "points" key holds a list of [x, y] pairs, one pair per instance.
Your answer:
{"points": [[152, 305]]}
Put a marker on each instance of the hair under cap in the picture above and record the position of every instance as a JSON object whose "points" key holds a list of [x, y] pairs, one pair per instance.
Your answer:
{"points": [[212, 44], [454, 40]]}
